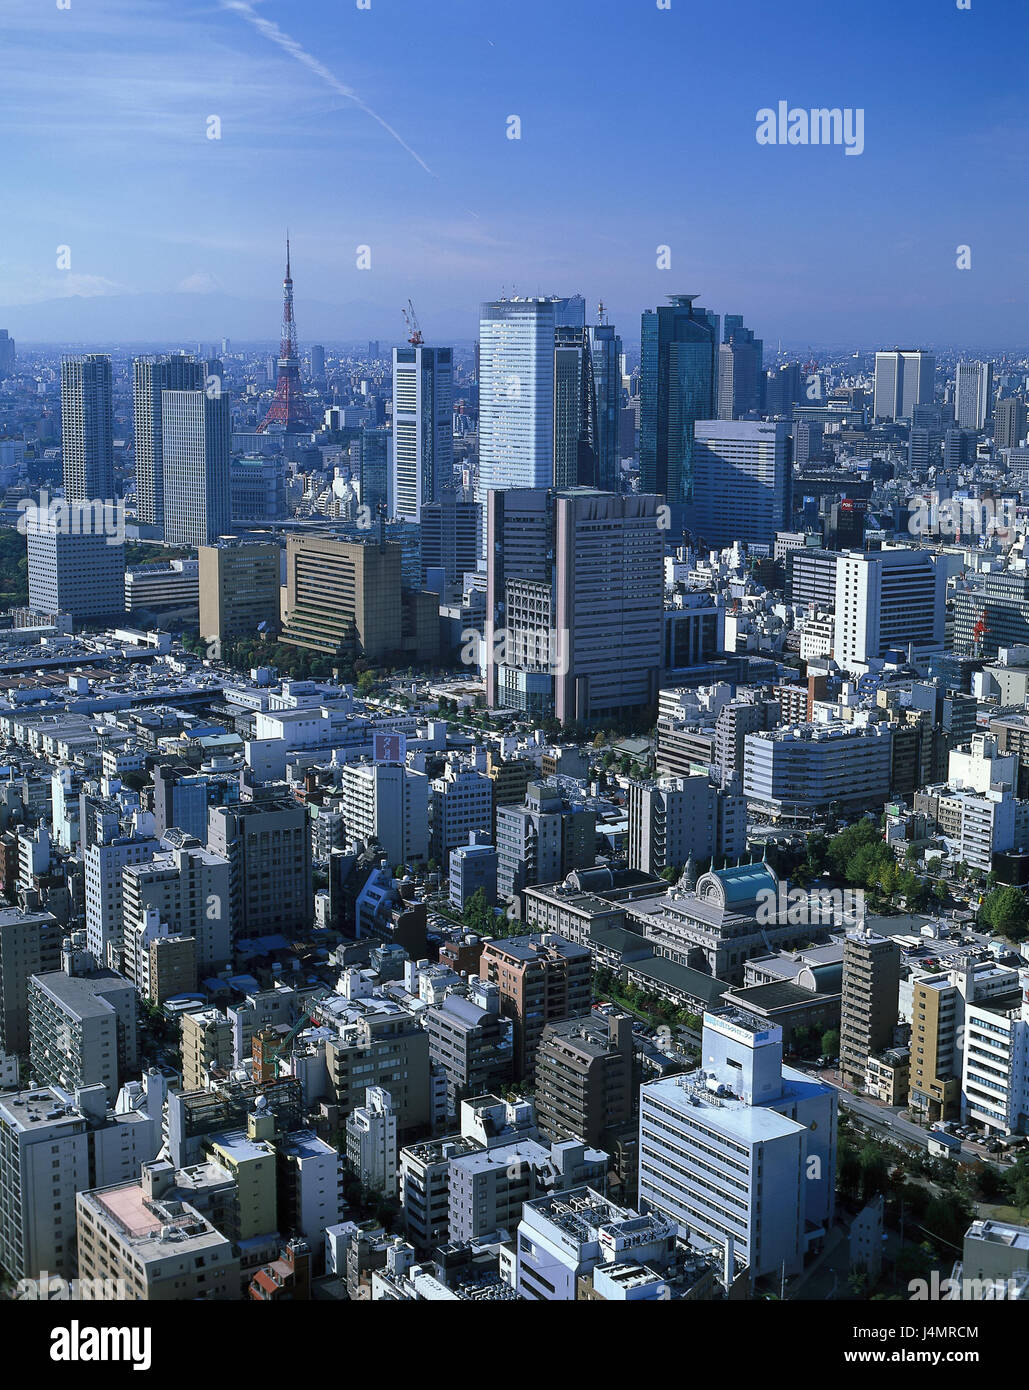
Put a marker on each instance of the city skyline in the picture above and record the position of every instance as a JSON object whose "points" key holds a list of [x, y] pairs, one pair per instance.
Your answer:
{"points": [[810, 246]]}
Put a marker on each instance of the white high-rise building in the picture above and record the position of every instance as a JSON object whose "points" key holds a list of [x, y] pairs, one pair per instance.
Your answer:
{"points": [[903, 379], [887, 600], [742, 1151], [742, 476], [516, 391], [462, 802], [104, 897], [389, 803], [76, 560], [423, 427], [185, 892], [973, 395], [372, 1141], [196, 434]]}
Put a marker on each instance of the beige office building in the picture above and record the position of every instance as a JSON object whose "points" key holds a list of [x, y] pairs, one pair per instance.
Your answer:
{"points": [[239, 589], [135, 1246], [342, 596]]}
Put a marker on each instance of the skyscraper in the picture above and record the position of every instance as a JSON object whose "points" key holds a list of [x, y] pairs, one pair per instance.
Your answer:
{"points": [[783, 388], [516, 392], [973, 394], [1009, 428], [678, 353], [574, 602], [423, 427], [6, 354], [77, 567], [742, 480], [606, 359], [740, 360], [196, 449], [575, 408], [87, 430], [369, 466], [904, 378], [150, 377]]}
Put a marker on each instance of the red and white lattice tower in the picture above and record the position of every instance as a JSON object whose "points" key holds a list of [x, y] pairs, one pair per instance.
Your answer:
{"points": [[289, 411]]}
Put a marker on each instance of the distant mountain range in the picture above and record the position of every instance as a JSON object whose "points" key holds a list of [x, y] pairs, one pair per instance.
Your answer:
{"points": [[188, 318]]}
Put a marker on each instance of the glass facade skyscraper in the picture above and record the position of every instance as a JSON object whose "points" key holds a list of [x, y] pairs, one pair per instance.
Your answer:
{"points": [[517, 340], [606, 361], [678, 375], [151, 376]]}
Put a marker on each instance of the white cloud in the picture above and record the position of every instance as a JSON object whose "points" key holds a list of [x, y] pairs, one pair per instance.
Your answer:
{"points": [[200, 282]]}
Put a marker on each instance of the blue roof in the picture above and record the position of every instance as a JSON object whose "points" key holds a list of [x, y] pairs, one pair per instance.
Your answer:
{"points": [[743, 882]]}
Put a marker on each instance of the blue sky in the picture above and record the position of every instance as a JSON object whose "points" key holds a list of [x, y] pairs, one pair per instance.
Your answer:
{"points": [[386, 127]]}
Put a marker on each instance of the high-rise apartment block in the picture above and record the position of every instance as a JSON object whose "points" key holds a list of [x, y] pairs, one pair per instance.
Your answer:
{"points": [[82, 1023], [542, 979], [871, 986], [585, 1076], [87, 428]]}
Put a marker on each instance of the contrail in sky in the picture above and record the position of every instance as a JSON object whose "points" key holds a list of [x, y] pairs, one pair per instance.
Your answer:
{"points": [[289, 45]]}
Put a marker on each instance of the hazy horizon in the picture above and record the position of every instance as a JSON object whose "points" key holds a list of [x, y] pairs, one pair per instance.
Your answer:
{"points": [[637, 133]]}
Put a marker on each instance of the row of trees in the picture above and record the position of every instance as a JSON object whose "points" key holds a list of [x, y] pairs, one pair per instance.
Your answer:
{"points": [[861, 857]]}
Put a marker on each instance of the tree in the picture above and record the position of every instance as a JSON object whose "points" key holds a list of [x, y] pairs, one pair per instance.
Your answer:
{"points": [[478, 915], [1006, 911], [875, 1171], [830, 1043]]}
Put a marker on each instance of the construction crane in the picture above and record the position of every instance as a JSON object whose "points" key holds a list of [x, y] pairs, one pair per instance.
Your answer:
{"points": [[267, 1053], [414, 330]]}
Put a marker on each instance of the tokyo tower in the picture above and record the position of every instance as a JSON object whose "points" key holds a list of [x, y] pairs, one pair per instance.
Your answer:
{"points": [[289, 411]]}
